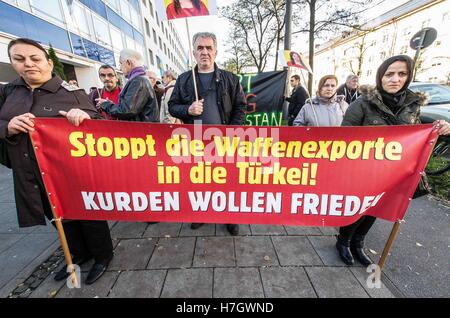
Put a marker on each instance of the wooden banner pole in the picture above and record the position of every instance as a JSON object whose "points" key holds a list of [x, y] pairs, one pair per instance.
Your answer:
{"points": [[61, 234], [389, 243], [192, 59]]}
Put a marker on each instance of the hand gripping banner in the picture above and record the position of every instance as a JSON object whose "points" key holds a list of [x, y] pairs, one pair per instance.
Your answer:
{"points": [[318, 176]]}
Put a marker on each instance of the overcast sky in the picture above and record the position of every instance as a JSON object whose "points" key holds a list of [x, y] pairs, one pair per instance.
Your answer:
{"points": [[220, 26]]}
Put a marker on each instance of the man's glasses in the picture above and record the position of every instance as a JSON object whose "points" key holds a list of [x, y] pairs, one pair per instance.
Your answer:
{"points": [[111, 75]]}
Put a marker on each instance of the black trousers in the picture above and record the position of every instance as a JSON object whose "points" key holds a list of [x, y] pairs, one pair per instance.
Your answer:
{"points": [[360, 227], [85, 238]]}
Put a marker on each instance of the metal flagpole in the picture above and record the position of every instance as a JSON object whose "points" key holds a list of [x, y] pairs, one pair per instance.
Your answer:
{"points": [[191, 58]]}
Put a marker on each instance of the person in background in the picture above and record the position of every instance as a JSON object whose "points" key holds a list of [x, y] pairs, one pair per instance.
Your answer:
{"points": [[157, 86], [111, 88], [169, 80], [73, 83], [326, 109], [349, 89], [297, 99], [39, 92], [137, 100], [390, 102]]}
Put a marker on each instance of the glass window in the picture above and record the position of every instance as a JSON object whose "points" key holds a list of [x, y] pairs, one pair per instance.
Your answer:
{"points": [[12, 20], [78, 18], [77, 45], [113, 4], [152, 59], [101, 31], [99, 7], [135, 19], [125, 10], [48, 8], [147, 27], [154, 37], [150, 8], [138, 37], [116, 37], [24, 4], [99, 53], [130, 43], [20, 23]]}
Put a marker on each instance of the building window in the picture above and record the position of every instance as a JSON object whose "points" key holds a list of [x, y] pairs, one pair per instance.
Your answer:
{"points": [[154, 37], [147, 28], [144, 2], [48, 8], [150, 8], [152, 60], [160, 43], [116, 37], [101, 32]]}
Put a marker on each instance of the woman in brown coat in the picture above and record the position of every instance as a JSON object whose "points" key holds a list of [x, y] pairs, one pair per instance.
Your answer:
{"points": [[40, 93]]}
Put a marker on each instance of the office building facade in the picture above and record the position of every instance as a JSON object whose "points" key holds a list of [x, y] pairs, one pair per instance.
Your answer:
{"points": [[88, 33]]}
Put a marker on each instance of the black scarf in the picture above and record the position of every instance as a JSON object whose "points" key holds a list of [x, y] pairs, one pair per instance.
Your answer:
{"points": [[394, 101]]}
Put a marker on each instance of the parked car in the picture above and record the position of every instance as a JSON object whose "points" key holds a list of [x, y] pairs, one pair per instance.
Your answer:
{"points": [[439, 105]]}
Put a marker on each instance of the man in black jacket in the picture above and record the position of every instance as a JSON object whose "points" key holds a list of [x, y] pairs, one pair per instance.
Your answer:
{"points": [[137, 100], [221, 99], [297, 99]]}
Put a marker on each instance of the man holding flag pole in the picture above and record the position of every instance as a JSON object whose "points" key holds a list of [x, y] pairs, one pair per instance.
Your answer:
{"points": [[208, 95]]}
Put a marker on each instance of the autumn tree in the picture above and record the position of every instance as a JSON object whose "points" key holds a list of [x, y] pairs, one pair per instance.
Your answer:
{"points": [[260, 25]]}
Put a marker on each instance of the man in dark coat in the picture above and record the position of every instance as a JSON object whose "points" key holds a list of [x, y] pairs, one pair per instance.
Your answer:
{"points": [[221, 99], [137, 101], [297, 99]]}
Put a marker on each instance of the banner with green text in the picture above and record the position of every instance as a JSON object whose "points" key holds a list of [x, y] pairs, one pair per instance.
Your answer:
{"points": [[265, 97]]}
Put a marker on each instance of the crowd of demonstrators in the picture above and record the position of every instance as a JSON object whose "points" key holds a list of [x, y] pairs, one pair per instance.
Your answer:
{"points": [[349, 89], [137, 100], [297, 99], [38, 92], [325, 109], [110, 91], [221, 98], [144, 98]]}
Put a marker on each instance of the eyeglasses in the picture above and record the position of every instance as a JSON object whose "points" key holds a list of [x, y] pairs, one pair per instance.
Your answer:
{"points": [[107, 75]]}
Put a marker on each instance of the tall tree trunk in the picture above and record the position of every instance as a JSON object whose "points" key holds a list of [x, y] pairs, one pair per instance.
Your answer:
{"points": [[312, 26]]}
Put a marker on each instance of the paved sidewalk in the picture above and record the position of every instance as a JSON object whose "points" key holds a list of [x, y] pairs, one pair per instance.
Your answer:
{"points": [[21, 250], [171, 260]]}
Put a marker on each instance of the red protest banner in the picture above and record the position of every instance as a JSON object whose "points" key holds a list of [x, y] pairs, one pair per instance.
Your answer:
{"points": [[318, 176]]}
